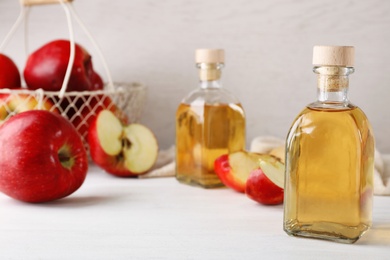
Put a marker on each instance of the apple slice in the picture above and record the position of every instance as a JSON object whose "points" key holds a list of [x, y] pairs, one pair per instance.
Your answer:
{"points": [[234, 169], [273, 168], [125, 151], [265, 184], [261, 189]]}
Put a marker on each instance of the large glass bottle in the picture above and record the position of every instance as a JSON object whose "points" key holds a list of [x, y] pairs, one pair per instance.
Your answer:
{"points": [[209, 122], [330, 158]]}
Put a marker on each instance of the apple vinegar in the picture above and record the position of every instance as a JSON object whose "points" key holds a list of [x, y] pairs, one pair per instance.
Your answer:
{"points": [[203, 134], [210, 122], [329, 158]]}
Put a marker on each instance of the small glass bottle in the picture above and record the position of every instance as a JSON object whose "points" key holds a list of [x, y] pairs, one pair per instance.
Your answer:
{"points": [[210, 122], [330, 158]]}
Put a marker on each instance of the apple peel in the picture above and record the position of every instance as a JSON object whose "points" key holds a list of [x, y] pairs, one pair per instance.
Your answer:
{"points": [[273, 168]]}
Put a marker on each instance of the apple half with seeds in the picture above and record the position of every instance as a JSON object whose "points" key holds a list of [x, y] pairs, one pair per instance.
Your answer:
{"points": [[12, 104], [121, 150]]}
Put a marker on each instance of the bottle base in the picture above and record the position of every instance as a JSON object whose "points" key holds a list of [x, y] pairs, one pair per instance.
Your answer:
{"points": [[327, 231], [203, 183]]}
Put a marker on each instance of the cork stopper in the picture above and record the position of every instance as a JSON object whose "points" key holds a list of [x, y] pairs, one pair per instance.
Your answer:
{"points": [[209, 56], [334, 56]]}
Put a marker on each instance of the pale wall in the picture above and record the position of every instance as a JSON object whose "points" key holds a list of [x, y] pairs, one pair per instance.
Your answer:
{"points": [[268, 45]]}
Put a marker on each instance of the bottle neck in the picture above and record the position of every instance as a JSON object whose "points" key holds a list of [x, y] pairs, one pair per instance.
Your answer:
{"points": [[333, 83], [210, 75]]}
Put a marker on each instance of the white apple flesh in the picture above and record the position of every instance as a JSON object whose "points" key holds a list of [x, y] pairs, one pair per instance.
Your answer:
{"points": [[142, 153], [109, 132]]}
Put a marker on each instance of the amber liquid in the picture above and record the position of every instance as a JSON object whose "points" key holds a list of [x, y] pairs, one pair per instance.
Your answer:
{"points": [[203, 133], [329, 167]]}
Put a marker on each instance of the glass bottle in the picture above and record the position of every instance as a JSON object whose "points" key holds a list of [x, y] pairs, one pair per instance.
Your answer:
{"points": [[210, 122], [330, 158]]}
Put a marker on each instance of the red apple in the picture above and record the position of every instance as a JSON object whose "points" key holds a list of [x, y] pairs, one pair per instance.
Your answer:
{"points": [[46, 68], [265, 184], [234, 169], [9, 73], [14, 103], [97, 81], [120, 150], [42, 157]]}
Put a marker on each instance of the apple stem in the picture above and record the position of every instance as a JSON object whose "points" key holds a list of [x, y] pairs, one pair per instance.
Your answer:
{"points": [[63, 157]]}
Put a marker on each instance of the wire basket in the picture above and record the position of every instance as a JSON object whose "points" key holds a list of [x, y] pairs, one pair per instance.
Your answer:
{"points": [[126, 100]]}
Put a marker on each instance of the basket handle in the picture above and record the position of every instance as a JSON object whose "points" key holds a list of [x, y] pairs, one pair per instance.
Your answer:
{"points": [[68, 9]]}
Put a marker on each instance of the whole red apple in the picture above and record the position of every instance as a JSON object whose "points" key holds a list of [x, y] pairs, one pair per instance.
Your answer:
{"points": [[42, 157], [261, 189], [9, 73], [46, 68], [121, 150]]}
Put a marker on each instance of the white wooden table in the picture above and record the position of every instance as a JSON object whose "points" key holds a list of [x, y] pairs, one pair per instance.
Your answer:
{"points": [[115, 218]]}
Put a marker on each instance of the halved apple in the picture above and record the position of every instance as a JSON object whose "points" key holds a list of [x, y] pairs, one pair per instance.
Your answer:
{"points": [[12, 104], [233, 169], [125, 151]]}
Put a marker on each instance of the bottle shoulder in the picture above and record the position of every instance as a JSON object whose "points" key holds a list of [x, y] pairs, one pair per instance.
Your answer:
{"points": [[210, 96], [331, 131], [312, 119], [318, 107], [330, 112], [331, 106]]}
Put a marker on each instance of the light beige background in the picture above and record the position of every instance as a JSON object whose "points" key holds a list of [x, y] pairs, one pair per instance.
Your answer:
{"points": [[268, 46]]}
